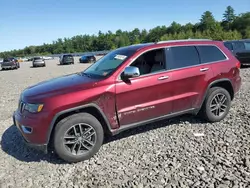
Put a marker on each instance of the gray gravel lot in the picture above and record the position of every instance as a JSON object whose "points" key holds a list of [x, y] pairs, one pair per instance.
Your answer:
{"points": [[163, 154]]}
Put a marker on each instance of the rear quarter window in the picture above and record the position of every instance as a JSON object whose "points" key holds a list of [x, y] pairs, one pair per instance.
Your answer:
{"points": [[210, 54]]}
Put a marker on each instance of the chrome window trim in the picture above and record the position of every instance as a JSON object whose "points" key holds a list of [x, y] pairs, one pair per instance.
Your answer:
{"points": [[165, 70]]}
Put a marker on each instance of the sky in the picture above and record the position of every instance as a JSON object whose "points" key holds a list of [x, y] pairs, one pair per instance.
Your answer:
{"points": [[32, 22]]}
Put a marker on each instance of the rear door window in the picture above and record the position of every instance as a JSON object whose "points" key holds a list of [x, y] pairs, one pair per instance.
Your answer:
{"points": [[210, 54], [181, 56]]}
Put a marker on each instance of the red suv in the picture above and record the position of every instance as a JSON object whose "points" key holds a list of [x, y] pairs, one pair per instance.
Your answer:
{"points": [[128, 87]]}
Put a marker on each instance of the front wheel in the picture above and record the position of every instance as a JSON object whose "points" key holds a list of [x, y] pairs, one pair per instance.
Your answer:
{"points": [[78, 137], [216, 105]]}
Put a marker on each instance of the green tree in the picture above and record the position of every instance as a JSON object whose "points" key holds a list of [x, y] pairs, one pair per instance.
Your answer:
{"points": [[228, 18], [174, 28], [242, 24], [207, 21], [229, 15]]}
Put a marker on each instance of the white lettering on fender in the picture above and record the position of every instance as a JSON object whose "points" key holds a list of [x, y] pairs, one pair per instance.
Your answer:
{"points": [[138, 110]]}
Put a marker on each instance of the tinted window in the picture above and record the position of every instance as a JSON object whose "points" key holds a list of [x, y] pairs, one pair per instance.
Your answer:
{"points": [[181, 56], [67, 57], [247, 45], [210, 54], [37, 58], [229, 45], [239, 45]]}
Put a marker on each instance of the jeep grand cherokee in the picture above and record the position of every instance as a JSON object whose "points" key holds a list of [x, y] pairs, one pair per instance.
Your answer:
{"points": [[130, 86]]}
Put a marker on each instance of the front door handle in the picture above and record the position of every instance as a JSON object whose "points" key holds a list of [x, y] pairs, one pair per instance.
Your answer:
{"points": [[204, 69], [163, 78]]}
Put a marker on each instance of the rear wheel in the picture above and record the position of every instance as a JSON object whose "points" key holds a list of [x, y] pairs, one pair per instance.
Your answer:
{"points": [[78, 137], [216, 105]]}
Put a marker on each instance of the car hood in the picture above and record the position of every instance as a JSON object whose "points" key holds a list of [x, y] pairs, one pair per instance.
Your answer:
{"points": [[59, 85]]}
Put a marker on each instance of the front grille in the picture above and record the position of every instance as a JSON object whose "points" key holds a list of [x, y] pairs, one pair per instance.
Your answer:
{"points": [[21, 106]]}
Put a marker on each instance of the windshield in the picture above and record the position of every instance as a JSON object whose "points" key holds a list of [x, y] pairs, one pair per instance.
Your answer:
{"points": [[108, 64], [247, 45]]}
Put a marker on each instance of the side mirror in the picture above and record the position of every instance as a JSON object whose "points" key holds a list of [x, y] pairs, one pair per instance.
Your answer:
{"points": [[131, 72]]}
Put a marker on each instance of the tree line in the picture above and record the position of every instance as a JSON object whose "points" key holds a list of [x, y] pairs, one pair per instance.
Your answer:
{"points": [[230, 28]]}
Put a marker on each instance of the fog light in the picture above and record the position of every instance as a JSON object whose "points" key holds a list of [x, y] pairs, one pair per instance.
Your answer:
{"points": [[26, 130]]}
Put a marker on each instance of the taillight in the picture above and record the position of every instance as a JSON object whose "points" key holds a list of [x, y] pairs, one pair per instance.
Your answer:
{"points": [[238, 64]]}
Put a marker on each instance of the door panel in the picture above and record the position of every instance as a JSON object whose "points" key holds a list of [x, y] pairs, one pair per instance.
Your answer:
{"points": [[189, 84], [189, 77], [144, 98]]}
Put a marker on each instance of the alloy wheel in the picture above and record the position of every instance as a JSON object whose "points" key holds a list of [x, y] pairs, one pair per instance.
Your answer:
{"points": [[80, 139], [218, 105]]}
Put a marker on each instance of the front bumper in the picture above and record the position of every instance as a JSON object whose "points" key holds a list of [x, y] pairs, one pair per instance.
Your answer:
{"points": [[67, 62], [83, 61], [26, 135]]}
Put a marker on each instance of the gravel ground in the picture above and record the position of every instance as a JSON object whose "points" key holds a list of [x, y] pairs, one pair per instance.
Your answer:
{"points": [[169, 153]]}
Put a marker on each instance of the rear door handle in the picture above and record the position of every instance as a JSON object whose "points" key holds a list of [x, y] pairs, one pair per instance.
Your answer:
{"points": [[204, 69], [163, 77]]}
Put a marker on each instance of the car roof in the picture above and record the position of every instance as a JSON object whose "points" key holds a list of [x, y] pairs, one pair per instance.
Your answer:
{"points": [[162, 44], [240, 40]]}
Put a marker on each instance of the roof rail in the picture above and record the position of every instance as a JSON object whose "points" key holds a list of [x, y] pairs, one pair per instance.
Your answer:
{"points": [[183, 40]]}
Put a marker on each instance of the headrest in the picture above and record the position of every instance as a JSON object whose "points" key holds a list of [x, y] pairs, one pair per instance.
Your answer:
{"points": [[141, 58], [159, 57]]}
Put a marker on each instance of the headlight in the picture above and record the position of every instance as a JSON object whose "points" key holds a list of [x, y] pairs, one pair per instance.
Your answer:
{"points": [[33, 108]]}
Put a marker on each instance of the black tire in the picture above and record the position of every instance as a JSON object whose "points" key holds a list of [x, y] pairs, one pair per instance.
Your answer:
{"points": [[206, 110], [67, 124]]}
